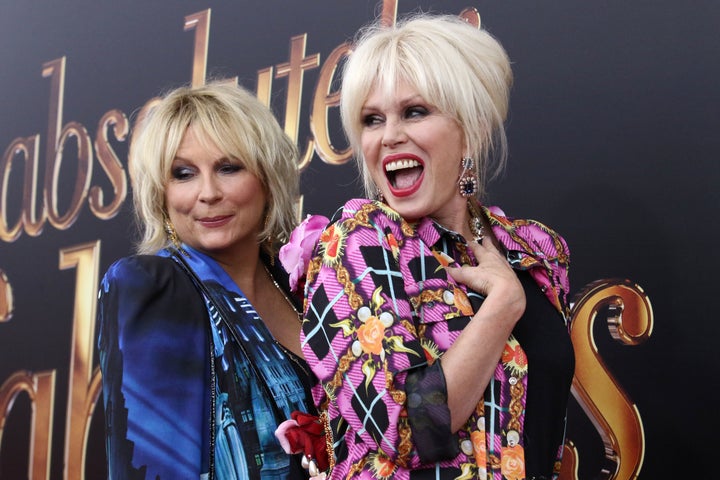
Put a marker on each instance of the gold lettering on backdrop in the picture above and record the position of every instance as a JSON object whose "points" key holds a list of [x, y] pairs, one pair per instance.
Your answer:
{"points": [[324, 99], [33, 217], [32, 222], [472, 16], [389, 12], [295, 71], [55, 146], [82, 181], [569, 468], [264, 85], [40, 387], [34, 214], [614, 415], [200, 22], [110, 164], [6, 298], [84, 386], [28, 148], [55, 69]]}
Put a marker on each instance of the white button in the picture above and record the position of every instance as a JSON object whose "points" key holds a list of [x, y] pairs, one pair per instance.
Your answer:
{"points": [[513, 437], [466, 447], [386, 318], [364, 313], [357, 348]]}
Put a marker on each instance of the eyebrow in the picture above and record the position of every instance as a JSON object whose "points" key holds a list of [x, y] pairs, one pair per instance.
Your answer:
{"points": [[416, 98], [224, 158]]}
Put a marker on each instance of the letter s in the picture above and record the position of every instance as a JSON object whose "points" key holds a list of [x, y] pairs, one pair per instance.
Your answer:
{"points": [[615, 416]]}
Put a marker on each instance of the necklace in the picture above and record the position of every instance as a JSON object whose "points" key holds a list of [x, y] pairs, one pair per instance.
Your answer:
{"points": [[299, 361], [282, 292], [475, 223]]}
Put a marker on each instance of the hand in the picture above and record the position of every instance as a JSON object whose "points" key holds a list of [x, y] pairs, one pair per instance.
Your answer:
{"points": [[494, 278], [470, 362]]}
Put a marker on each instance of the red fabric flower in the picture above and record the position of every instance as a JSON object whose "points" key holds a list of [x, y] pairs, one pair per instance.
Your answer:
{"points": [[304, 434]]}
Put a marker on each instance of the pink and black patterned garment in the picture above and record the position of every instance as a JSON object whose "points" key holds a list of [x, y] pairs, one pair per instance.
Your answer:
{"points": [[380, 312]]}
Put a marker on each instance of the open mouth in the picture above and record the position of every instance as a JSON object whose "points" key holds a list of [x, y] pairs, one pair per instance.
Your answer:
{"points": [[403, 174]]}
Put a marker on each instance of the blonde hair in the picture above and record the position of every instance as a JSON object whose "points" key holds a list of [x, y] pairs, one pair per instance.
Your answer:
{"points": [[460, 69], [240, 126]]}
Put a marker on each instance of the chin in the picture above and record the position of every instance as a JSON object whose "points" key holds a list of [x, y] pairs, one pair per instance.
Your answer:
{"points": [[407, 212]]}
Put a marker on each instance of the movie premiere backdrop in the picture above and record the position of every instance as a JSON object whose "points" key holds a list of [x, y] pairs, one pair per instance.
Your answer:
{"points": [[613, 133]]}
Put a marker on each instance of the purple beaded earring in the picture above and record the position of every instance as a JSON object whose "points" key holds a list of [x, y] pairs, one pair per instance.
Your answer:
{"points": [[468, 183]]}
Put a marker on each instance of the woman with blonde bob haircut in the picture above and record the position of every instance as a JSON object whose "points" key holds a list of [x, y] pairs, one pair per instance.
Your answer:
{"points": [[437, 326], [198, 336], [240, 126]]}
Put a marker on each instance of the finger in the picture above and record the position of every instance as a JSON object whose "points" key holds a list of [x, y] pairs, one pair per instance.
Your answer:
{"points": [[462, 274], [487, 246], [469, 276], [479, 249]]}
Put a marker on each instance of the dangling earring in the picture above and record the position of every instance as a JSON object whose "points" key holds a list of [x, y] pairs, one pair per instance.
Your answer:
{"points": [[475, 222], [172, 235], [468, 182], [379, 196], [269, 241]]}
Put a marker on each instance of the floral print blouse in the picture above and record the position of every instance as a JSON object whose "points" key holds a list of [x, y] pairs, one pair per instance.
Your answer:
{"points": [[380, 311]]}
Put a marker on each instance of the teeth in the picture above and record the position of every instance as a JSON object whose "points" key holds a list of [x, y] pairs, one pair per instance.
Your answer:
{"points": [[400, 164]]}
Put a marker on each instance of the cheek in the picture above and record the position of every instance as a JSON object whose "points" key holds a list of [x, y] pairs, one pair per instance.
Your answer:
{"points": [[247, 193], [176, 198], [371, 154], [369, 144], [448, 149]]}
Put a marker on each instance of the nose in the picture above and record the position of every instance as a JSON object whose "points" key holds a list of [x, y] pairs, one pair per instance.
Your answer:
{"points": [[393, 133], [210, 191]]}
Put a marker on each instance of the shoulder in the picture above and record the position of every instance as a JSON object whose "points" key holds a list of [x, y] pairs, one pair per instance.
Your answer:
{"points": [[361, 207], [362, 224], [528, 236], [145, 294], [357, 235], [370, 214], [146, 273], [140, 263]]}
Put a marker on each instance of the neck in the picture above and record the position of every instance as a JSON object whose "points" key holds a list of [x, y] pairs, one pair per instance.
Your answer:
{"points": [[244, 267], [460, 220]]}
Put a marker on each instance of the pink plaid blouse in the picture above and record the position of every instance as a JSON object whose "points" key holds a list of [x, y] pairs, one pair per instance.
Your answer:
{"points": [[380, 311]]}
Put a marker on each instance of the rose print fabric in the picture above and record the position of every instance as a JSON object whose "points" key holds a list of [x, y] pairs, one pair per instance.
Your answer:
{"points": [[380, 311]]}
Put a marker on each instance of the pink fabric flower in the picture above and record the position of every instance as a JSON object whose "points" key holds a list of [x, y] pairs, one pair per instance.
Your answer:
{"points": [[295, 255]]}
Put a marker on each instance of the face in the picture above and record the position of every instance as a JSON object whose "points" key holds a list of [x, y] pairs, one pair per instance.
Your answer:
{"points": [[413, 153], [215, 204]]}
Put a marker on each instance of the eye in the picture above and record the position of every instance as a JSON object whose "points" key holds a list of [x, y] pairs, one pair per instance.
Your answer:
{"points": [[182, 173], [372, 119], [416, 111], [230, 168]]}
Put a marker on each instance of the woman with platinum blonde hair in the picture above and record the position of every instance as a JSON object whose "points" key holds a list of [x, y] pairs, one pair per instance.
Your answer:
{"points": [[198, 335], [436, 325]]}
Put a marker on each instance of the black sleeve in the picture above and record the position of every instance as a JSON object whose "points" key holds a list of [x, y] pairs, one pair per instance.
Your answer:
{"points": [[154, 349]]}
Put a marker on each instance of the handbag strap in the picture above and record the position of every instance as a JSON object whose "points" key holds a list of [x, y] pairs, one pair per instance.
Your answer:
{"points": [[224, 314]]}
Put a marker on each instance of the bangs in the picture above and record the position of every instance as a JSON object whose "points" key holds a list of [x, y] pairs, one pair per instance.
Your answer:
{"points": [[234, 139]]}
